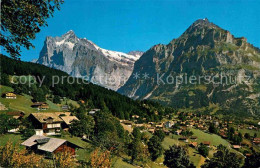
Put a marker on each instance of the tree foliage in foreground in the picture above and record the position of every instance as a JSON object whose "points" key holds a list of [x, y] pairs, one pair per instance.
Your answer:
{"points": [[21, 20], [84, 126], [100, 159], [252, 161], [12, 156], [223, 159], [138, 151], [203, 150], [7, 123], [155, 147], [176, 157], [64, 159], [160, 134]]}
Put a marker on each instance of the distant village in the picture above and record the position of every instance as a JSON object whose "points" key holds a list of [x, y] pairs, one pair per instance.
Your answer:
{"points": [[178, 127], [48, 124]]}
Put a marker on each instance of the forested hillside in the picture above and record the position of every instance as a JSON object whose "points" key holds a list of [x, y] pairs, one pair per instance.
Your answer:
{"points": [[95, 96]]}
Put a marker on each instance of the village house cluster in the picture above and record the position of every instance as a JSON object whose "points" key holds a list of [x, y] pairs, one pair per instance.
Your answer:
{"points": [[192, 120], [52, 123]]}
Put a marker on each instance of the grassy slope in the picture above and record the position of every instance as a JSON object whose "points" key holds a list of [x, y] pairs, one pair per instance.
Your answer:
{"points": [[196, 158], [15, 138], [193, 154], [213, 138], [119, 163], [251, 132], [23, 102]]}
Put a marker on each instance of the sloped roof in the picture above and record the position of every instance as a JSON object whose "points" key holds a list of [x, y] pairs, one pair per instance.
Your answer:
{"points": [[63, 113], [236, 146], [68, 119], [52, 144], [31, 141], [43, 140], [206, 142], [10, 94], [41, 117], [49, 144]]}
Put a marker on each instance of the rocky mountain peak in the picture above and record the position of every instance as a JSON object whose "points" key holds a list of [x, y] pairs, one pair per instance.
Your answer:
{"points": [[204, 49], [69, 34], [136, 53], [203, 23], [81, 57], [201, 26]]}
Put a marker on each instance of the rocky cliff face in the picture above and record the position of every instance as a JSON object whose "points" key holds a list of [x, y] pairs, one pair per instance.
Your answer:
{"points": [[80, 57], [136, 53], [205, 67]]}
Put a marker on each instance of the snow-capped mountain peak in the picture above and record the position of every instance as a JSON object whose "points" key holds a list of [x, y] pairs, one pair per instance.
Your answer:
{"points": [[81, 57]]}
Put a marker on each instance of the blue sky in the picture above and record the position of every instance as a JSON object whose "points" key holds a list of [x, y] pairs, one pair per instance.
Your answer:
{"points": [[126, 25]]}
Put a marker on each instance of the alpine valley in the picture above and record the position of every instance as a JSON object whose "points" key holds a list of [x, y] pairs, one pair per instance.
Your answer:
{"points": [[207, 52], [225, 70]]}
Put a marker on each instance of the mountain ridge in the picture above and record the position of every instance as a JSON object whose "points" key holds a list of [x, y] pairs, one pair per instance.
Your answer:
{"points": [[204, 48], [80, 57]]}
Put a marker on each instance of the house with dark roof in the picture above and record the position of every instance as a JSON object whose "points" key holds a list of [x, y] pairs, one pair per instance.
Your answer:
{"points": [[50, 123], [185, 139], [40, 105], [48, 146], [194, 138]]}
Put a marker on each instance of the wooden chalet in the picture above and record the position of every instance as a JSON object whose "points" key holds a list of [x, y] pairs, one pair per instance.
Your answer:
{"points": [[135, 116], [40, 105], [236, 146], [67, 120], [194, 138], [207, 143], [93, 111], [178, 132], [185, 139], [151, 130], [9, 95], [48, 146], [193, 144], [139, 125], [159, 125], [256, 141], [50, 123]]}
